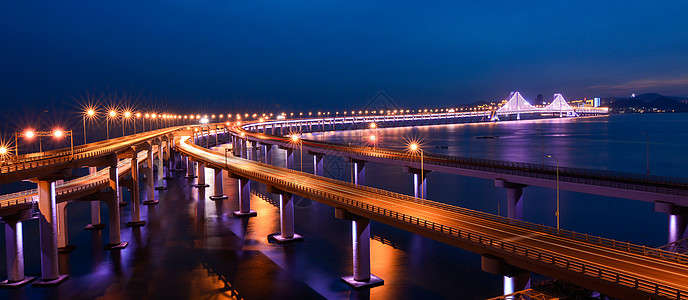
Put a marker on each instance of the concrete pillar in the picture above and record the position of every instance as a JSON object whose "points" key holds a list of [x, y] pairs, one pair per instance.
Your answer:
{"points": [[254, 150], [286, 207], [189, 168], [219, 194], [135, 214], [114, 221], [201, 176], [14, 249], [289, 158], [318, 164], [150, 182], [419, 183], [158, 164], [96, 224], [678, 220], [515, 279], [514, 196], [48, 233], [268, 153], [244, 198], [62, 229], [359, 172]]}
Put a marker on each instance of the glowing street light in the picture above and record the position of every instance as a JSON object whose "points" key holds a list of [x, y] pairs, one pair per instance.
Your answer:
{"points": [[126, 117], [111, 115], [414, 147], [296, 140], [373, 125], [88, 114], [557, 212]]}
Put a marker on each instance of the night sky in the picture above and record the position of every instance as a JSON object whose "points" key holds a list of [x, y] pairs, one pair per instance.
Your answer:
{"points": [[330, 55]]}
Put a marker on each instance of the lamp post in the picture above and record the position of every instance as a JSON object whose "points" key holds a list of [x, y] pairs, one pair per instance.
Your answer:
{"points": [[647, 151], [227, 150], [138, 115], [90, 113], [416, 148], [58, 133], [111, 114], [125, 117], [295, 138], [557, 212]]}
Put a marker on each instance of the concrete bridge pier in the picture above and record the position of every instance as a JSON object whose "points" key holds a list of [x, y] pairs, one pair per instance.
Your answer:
{"points": [[360, 227], [114, 222], [200, 183], [254, 150], [63, 245], [96, 223], [267, 153], [515, 279], [14, 250], [219, 194], [318, 164], [244, 198], [47, 224], [514, 196], [420, 189], [135, 214], [358, 171], [286, 208], [678, 220], [159, 166], [150, 183], [189, 168]]}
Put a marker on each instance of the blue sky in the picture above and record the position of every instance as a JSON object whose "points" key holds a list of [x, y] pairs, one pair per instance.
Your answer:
{"points": [[339, 54]]}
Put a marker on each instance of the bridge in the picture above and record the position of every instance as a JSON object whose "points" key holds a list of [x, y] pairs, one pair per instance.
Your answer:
{"points": [[509, 246]]}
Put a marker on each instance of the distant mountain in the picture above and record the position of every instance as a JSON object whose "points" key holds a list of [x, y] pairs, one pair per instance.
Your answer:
{"points": [[649, 102], [647, 97]]}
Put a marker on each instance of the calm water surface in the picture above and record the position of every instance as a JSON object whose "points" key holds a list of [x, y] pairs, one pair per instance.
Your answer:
{"points": [[193, 248]]}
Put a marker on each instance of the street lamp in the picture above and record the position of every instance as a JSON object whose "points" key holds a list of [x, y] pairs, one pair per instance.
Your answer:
{"points": [[647, 151], [414, 147], [138, 116], [90, 114], [125, 117], [557, 212], [295, 139], [111, 115]]}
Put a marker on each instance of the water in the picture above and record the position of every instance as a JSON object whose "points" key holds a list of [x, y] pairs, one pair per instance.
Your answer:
{"points": [[196, 249]]}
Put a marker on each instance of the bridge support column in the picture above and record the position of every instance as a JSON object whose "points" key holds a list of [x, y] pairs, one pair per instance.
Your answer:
{"points": [[318, 164], [678, 220], [150, 182], [254, 151], [48, 232], [360, 227], [514, 197], [359, 171], [62, 229], [201, 176], [159, 165], [286, 206], [14, 248], [169, 162], [96, 223], [135, 205], [219, 194], [419, 182], [515, 279], [244, 198], [268, 154], [189, 168], [113, 220]]}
